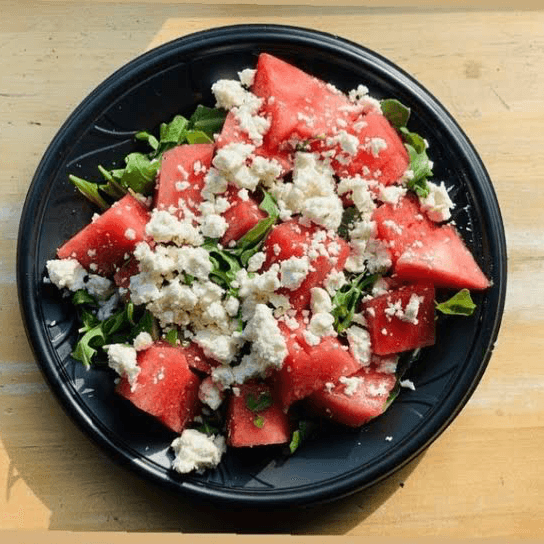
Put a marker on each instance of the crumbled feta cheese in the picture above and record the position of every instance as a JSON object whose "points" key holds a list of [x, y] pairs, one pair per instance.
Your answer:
{"points": [[256, 261], [209, 394], [359, 344], [351, 384], [142, 341], [66, 273], [196, 451], [320, 301], [213, 225], [408, 384], [98, 286], [122, 359], [437, 204], [228, 93], [247, 77], [293, 271]]}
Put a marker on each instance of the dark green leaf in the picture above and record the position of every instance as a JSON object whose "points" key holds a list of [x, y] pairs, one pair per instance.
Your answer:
{"points": [[86, 348], [172, 337], [149, 138], [89, 190], [81, 296], [346, 300], [208, 120], [259, 422], [262, 402], [140, 172], [395, 112], [197, 137], [299, 435], [459, 304], [112, 187], [208, 429], [349, 217]]}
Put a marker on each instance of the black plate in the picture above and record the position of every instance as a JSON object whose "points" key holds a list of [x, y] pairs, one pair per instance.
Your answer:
{"points": [[173, 79]]}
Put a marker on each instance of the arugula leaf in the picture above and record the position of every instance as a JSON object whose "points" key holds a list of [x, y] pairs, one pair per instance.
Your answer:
{"points": [[299, 435], [349, 217], [262, 402], [459, 304], [140, 172], [208, 120], [347, 298], [208, 429], [250, 243], [225, 265], [197, 137], [395, 112], [172, 337], [259, 422], [112, 187], [149, 138], [172, 133], [81, 296], [123, 326], [89, 190]]}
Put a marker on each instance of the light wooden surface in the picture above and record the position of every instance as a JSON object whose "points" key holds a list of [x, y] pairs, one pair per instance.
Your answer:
{"points": [[484, 476]]}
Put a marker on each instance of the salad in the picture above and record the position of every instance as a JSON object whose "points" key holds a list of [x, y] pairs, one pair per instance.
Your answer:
{"points": [[268, 262]]}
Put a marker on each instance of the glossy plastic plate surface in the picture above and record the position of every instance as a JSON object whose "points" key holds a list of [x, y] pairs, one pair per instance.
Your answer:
{"points": [[173, 79]]}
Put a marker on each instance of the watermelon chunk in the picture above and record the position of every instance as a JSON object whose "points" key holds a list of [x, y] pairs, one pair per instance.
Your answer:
{"points": [[356, 400], [241, 216], [444, 260], [104, 244], [307, 368], [196, 358], [381, 153], [233, 133], [181, 177], [402, 319], [166, 387], [299, 105], [292, 239], [249, 426]]}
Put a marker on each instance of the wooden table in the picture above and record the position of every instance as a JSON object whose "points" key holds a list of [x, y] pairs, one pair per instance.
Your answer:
{"points": [[484, 476]]}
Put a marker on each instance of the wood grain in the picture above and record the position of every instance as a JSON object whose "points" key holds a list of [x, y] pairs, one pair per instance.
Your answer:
{"points": [[483, 476]]}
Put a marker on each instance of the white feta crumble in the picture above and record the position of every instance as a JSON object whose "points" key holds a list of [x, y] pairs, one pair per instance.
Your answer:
{"points": [[437, 204], [122, 359], [210, 394], [359, 344], [66, 273], [351, 384], [213, 225], [408, 384], [247, 77], [320, 301], [256, 261], [196, 451], [293, 271], [98, 286], [142, 341], [228, 93], [391, 194]]}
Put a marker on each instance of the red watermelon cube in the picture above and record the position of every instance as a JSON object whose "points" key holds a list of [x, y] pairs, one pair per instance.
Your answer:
{"points": [[354, 400], [181, 177], [166, 387], [103, 245], [401, 319], [444, 260], [299, 105], [254, 418]]}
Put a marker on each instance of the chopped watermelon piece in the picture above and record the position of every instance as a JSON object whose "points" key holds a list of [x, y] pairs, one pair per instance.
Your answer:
{"points": [[381, 155], [181, 177], [104, 244], [307, 368], [402, 226], [285, 240], [241, 217], [196, 359], [254, 418], [166, 387], [123, 274], [355, 400], [444, 260], [233, 133], [299, 105], [402, 319]]}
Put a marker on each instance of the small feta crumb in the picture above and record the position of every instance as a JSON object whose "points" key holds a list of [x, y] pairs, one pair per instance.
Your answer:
{"points": [[256, 261], [359, 344], [437, 204], [196, 451], [408, 384], [66, 273], [122, 359], [351, 384], [130, 234], [388, 438], [142, 341]]}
